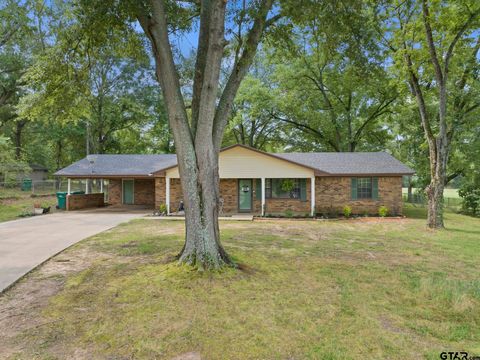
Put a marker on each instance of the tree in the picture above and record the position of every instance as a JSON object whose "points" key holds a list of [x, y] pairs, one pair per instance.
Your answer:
{"points": [[252, 123], [14, 25], [198, 139], [10, 167], [331, 80], [198, 126], [430, 42]]}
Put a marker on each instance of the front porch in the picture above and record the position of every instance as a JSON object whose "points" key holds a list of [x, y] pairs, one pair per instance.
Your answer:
{"points": [[256, 196]]}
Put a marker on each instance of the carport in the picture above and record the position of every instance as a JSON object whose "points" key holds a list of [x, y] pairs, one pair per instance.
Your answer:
{"points": [[125, 180]]}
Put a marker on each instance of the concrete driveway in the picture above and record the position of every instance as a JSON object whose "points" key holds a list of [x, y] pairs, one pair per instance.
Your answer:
{"points": [[26, 243]]}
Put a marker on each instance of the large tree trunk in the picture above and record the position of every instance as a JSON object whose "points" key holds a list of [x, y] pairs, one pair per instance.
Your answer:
{"points": [[198, 139], [202, 244], [435, 204], [19, 125], [410, 186]]}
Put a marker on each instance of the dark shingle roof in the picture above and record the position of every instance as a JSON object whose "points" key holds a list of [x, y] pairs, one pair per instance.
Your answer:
{"points": [[356, 163], [119, 165], [37, 167]]}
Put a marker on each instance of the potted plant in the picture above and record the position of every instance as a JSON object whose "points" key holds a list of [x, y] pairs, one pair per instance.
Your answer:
{"points": [[37, 208], [45, 208], [161, 211]]}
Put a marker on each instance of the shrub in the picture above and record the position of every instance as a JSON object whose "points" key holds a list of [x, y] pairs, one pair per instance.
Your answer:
{"points": [[289, 213], [347, 211], [470, 195], [162, 209], [383, 211]]}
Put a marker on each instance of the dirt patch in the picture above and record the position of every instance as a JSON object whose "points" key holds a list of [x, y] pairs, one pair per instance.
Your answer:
{"points": [[388, 325], [188, 356], [21, 305]]}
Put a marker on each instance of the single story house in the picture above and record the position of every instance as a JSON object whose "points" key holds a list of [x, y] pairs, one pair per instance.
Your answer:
{"points": [[36, 173], [256, 182]]}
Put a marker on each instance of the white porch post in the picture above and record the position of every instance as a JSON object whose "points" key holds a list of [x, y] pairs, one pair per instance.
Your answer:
{"points": [[167, 193], [263, 196], [312, 195], [101, 185], [86, 186], [69, 186]]}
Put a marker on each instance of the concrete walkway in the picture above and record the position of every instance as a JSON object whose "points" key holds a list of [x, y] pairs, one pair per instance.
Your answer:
{"points": [[26, 243]]}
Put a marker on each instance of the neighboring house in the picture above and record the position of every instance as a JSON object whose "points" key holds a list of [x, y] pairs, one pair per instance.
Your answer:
{"points": [[257, 182], [37, 173]]}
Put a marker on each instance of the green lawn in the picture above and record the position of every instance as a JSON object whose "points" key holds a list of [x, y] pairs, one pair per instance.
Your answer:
{"points": [[373, 289], [14, 203]]}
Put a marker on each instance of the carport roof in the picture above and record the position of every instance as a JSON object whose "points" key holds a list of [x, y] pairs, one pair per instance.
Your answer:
{"points": [[119, 165]]}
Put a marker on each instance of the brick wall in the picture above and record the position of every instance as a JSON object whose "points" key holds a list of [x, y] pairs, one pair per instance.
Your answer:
{"points": [[84, 201], [229, 194], [159, 191], [280, 206], [143, 192], [333, 193], [115, 191]]}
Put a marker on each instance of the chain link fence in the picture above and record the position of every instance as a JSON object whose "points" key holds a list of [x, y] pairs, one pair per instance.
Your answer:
{"points": [[48, 187], [418, 198]]}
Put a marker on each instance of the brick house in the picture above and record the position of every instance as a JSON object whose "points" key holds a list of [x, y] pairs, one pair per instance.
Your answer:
{"points": [[253, 181]]}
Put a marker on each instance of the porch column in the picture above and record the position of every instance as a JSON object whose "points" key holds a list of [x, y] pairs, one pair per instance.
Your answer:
{"points": [[312, 196], [101, 185], [263, 196], [86, 186], [69, 186], [167, 193]]}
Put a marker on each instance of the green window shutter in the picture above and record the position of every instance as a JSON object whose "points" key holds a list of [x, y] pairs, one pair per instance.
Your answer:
{"points": [[375, 188], [354, 188], [258, 189], [303, 189]]}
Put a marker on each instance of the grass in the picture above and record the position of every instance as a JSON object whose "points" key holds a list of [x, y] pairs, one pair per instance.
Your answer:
{"points": [[308, 290], [14, 203]]}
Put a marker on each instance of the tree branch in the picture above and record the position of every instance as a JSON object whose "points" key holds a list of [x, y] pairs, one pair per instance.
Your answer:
{"points": [[431, 44], [304, 127], [239, 71], [457, 38]]}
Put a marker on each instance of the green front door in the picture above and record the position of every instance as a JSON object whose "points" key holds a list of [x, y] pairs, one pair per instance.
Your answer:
{"points": [[128, 192], [245, 195]]}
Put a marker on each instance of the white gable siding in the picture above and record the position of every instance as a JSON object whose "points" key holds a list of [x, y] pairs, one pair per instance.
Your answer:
{"points": [[242, 163]]}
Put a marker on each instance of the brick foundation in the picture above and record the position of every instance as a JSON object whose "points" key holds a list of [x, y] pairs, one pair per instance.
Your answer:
{"points": [[84, 201]]}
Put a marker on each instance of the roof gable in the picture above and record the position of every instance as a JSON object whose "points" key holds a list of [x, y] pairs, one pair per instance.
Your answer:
{"points": [[239, 161]]}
